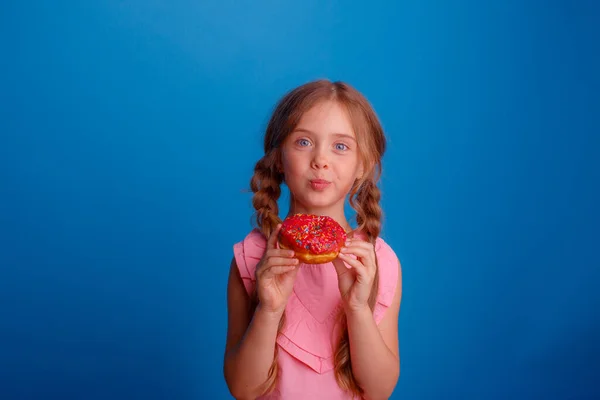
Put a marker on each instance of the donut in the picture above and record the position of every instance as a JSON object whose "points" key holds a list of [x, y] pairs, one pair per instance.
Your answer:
{"points": [[315, 239]]}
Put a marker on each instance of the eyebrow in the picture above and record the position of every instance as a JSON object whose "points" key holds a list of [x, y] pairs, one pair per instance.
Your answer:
{"points": [[339, 135]]}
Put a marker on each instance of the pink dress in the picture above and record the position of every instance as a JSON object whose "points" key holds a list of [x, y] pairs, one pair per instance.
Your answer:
{"points": [[306, 348]]}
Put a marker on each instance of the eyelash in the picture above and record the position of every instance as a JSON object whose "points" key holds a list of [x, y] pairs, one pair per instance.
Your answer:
{"points": [[346, 147]]}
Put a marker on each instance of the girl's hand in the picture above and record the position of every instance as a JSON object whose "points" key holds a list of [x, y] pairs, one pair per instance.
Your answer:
{"points": [[355, 280], [275, 276]]}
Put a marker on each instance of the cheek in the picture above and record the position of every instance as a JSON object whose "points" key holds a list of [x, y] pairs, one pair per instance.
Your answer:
{"points": [[291, 167], [288, 165], [349, 168], [292, 162]]}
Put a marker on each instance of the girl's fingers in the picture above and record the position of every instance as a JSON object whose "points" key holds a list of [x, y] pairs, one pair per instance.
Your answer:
{"points": [[349, 260], [272, 242], [359, 245], [354, 263], [278, 270], [280, 253], [281, 262], [362, 250], [354, 253], [339, 266], [357, 251], [344, 272], [275, 262]]}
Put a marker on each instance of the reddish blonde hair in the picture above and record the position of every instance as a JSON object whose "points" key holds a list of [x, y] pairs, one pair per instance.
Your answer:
{"points": [[364, 196]]}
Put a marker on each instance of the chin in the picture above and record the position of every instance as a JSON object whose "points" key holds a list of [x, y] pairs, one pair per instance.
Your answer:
{"points": [[319, 202]]}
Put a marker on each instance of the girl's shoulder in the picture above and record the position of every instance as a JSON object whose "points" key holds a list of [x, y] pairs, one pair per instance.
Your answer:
{"points": [[247, 253], [254, 240], [385, 252], [389, 270]]}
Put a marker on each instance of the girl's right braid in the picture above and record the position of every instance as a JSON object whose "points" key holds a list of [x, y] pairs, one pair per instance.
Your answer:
{"points": [[265, 184]]}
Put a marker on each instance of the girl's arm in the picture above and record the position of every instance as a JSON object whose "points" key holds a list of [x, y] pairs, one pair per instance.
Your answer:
{"points": [[374, 349], [250, 343]]}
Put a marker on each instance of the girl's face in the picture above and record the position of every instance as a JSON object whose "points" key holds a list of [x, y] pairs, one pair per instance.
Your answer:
{"points": [[320, 160]]}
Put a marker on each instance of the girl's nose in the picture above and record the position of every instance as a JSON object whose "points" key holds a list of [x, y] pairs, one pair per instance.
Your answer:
{"points": [[319, 160]]}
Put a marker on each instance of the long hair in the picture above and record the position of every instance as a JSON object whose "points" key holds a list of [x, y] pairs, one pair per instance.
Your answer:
{"points": [[364, 195]]}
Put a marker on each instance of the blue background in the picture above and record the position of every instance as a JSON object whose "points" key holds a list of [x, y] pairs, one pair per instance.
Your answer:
{"points": [[128, 134]]}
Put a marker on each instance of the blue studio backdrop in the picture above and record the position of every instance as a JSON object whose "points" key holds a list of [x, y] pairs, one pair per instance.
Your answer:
{"points": [[128, 134]]}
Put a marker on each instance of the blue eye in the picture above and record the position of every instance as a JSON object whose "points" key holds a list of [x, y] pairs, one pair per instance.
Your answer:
{"points": [[303, 142], [341, 146]]}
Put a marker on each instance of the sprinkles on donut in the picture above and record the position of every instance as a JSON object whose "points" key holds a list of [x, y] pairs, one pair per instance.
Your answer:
{"points": [[315, 239]]}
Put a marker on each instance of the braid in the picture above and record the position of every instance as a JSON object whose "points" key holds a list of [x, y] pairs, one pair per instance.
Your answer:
{"points": [[365, 200], [368, 209], [265, 184]]}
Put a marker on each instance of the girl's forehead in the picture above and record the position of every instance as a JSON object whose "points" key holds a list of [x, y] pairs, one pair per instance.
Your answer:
{"points": [[326, 118]]}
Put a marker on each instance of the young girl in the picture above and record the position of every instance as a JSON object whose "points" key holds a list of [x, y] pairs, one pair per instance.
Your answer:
{"points": [[325, 331]]}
